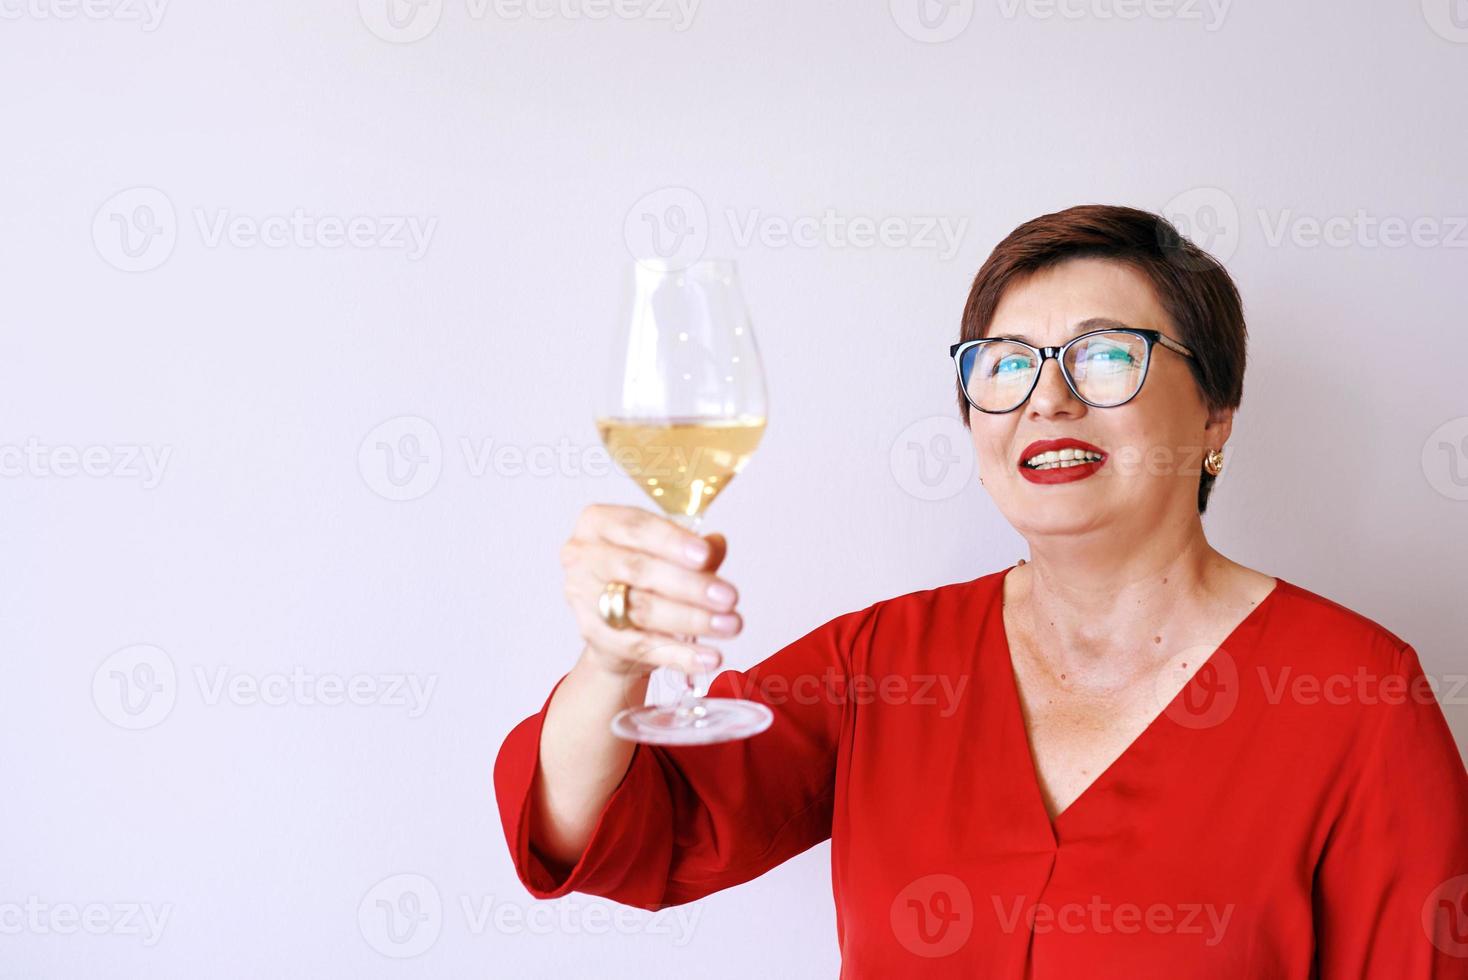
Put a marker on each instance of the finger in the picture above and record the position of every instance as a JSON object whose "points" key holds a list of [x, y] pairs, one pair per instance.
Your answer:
{"points": [[636, 652], [642, 530], [653, 613], [605, 563], [691, 658], [719, 550]]}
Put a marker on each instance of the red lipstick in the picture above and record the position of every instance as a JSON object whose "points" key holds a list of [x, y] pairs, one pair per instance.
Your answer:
{"points": [[1059, 474]]}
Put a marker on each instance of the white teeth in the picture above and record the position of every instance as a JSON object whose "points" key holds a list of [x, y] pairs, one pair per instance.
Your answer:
{"points": [[1056, 459]]}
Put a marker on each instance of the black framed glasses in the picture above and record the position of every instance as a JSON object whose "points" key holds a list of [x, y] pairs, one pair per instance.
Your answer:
{"points": [[1103, 368]]}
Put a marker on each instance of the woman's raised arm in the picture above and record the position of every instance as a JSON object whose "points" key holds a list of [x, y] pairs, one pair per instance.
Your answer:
{"points": [[650, 825]]}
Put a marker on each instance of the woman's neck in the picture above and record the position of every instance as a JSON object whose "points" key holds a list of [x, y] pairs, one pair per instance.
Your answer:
{"points": [[1084, 605]]}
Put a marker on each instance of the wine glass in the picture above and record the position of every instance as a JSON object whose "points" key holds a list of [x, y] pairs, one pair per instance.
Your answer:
{"points": [[684, 412]]}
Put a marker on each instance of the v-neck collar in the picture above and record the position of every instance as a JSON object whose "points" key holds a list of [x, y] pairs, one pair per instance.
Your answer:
{"points": [[1239, 639]]}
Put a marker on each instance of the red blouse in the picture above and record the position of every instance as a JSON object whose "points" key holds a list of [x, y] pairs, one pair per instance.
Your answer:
{"points": [[1298, 809]]}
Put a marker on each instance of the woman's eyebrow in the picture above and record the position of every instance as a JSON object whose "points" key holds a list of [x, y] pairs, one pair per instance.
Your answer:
{"points": [[1091, 323]]}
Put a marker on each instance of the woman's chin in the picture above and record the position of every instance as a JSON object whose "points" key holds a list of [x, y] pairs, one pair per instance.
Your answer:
{"points": [[1057, 517]]}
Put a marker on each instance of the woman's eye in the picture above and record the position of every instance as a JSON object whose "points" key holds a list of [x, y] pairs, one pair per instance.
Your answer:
{"points": [[1105, 354], [1011, 364]]}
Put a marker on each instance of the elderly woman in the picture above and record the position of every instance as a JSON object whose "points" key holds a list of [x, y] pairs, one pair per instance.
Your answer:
{"points": [[1128, 756]]}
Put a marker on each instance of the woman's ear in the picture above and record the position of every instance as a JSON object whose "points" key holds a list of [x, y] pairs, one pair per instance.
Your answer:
{"points": [[1220, 426]]}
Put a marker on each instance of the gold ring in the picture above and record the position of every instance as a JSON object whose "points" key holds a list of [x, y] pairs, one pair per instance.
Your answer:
{"points": [[612, 604]]}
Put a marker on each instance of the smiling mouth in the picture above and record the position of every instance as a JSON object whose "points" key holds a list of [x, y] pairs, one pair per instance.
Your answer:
{"points": [[1057, 459]]}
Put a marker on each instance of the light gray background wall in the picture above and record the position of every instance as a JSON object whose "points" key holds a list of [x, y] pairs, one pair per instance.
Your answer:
{"points": [[195, 510]]}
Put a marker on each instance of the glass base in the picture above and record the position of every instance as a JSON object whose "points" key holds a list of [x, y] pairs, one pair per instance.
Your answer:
{"points": [[702, 722]]}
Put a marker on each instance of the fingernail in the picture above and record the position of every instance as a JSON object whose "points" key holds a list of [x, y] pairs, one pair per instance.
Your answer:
{"points": [[725, 623], [697, 551], [722, 594], [706, 659]]}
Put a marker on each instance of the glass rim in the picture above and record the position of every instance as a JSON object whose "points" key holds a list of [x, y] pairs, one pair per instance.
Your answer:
{"points": [[967, 345]]}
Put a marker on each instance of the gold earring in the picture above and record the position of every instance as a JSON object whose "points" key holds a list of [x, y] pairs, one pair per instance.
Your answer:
{"points": [[1214, 463]]}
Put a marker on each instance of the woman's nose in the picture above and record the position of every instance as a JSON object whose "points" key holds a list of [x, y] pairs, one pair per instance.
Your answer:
{"points": [[1052, 396]]}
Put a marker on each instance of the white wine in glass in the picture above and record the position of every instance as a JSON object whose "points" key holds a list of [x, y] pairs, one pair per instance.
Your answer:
{"points": [[684, 413], [682, 464]]}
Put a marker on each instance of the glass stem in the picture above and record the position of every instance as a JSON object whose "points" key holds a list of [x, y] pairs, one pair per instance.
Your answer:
{"points": [[688, 707]]}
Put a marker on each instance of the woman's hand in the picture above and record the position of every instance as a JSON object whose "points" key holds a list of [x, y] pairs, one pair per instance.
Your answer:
{"points": [[673, 590]]}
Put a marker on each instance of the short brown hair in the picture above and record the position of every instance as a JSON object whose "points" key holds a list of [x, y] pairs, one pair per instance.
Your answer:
{"points": [[1192, 286]]}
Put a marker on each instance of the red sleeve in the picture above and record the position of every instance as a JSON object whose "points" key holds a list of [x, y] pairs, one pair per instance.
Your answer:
{"points": [[1391, 888], [686, 821]]}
